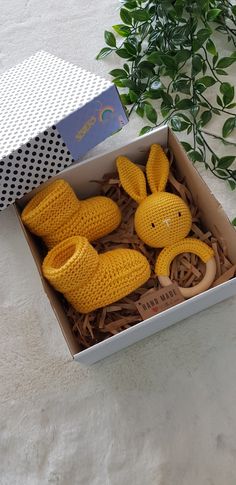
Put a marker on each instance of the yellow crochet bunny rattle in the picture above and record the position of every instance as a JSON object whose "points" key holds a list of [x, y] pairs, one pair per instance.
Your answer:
{"points": [[163, 220]]}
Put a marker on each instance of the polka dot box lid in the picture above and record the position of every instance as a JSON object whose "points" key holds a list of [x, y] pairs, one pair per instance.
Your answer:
{"points": [[52, 113]]}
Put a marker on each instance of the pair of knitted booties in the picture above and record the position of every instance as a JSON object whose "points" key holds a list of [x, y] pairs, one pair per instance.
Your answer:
{"points": [[67, 225]]}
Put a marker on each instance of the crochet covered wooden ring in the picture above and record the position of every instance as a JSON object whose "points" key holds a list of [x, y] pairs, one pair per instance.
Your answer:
{"points": [[190, 245], [90, 280], [55, 213], [163, 220]]}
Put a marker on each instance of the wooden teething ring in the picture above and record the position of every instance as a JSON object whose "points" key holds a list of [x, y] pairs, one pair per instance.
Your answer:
{"points": [[188, 245]]}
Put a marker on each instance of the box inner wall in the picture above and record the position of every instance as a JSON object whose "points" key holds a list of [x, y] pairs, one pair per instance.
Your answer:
{"points": [[212, 214]]}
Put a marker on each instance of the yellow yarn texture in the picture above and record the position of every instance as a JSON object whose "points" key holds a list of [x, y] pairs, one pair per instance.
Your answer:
{"points": [[55, 213], [187, 245], [157, 169], [90, 280], [161, 218], [132, 179]]}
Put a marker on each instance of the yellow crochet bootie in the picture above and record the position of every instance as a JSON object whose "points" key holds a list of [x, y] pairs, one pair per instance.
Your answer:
{"points": [[55, 213], [90, 280]]}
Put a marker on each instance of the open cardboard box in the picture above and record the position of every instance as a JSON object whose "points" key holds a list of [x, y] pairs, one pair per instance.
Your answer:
{"points": [[213, 217]]}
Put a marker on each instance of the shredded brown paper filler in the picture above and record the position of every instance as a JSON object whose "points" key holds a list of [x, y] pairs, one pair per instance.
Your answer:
{"points": [[187, 269]]}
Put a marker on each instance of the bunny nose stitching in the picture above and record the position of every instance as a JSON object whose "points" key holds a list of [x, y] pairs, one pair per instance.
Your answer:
{"points": [[167, 222]]}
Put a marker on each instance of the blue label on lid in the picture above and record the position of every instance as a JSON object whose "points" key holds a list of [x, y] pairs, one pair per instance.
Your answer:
{"points": [[93, 123]]}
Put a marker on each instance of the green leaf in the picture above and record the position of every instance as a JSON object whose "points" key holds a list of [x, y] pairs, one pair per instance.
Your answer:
{"points": [[213, 14], [146, 67], [151, 113], [110, 38], [228, 127], [196, 64], [140, 111], [225, 62], [169, 61], [130, 48], [186, 146], [195, 109], [154, 93], [232, 184], [207, 81], [118, 73], [140, 15], [165, 110], [133, 96], [199, 141], [118, 82], [125, 16], [210, 47], [182, 86], [103, 53], [204, 34], [216, 111], [155, 58], [167, 99], [122, 30], [233, 8], [131, 4], [214, 160], [200, 39], [222, 173], [228, 93], [125, 99], [182, 56], [215, 59], [225, 87], [123, 53], [127, 83], [221, 72], [179, 6], [234, 221], [205, 117], [219, 101], [184, 104], [184, 117], [178, 125], [145, 129], [225, 162], [195, 156]]}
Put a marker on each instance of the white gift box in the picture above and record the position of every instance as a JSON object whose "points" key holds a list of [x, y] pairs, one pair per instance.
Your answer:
{"points": [[213, 217], [52, 113]]}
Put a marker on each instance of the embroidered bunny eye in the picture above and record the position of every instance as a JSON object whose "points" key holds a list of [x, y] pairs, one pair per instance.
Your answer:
{"points": [[179, 214], [153, 225]]}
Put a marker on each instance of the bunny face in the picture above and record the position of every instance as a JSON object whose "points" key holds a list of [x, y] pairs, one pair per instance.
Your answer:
{"points": [[161, 219]]}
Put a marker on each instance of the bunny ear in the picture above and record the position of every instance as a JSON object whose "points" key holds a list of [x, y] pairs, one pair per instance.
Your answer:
{"points": [[157, 169], [132, 179]]}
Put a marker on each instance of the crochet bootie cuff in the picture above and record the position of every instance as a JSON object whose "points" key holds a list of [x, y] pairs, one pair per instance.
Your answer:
{"points": [[50, 208], [70, 264]]}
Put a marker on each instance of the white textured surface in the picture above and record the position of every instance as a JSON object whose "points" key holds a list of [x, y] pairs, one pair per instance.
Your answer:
{"points": [[27, 141], [35, 86], [162, 412]]}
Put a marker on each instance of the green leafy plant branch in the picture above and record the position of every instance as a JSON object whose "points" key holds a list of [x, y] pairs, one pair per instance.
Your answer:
{"points": [[171, 63]]}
